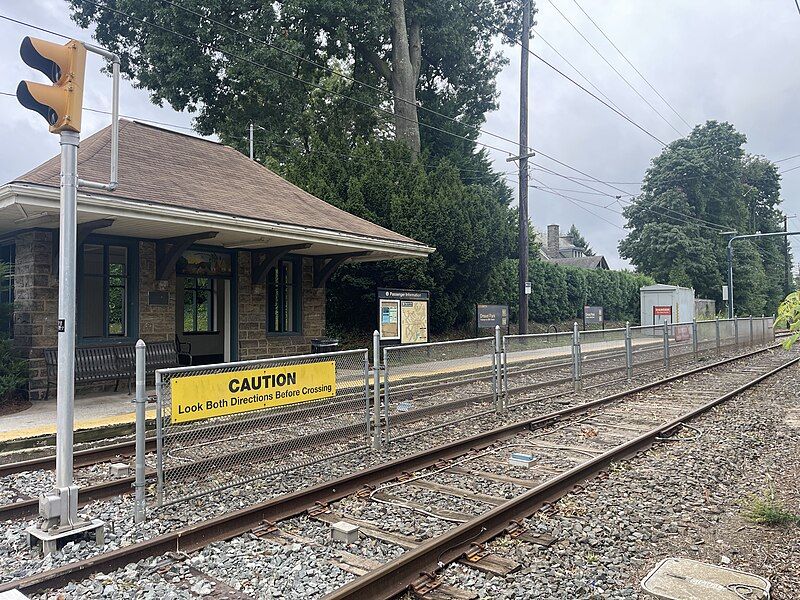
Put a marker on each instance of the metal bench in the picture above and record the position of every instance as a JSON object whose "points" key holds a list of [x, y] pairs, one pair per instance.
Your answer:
{"points": [[96, 364]]}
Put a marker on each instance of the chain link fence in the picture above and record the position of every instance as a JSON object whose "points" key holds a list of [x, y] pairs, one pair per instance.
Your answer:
{"points": [[602, 351], [220, 426], [536, 360], [428, 386]]}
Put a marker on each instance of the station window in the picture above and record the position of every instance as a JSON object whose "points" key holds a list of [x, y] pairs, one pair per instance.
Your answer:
{"points": [[104, 292], [284, 294], [6, 289], [198, 305]]}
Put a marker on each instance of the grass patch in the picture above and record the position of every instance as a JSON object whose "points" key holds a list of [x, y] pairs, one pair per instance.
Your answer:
{"points": [[768, 510]]}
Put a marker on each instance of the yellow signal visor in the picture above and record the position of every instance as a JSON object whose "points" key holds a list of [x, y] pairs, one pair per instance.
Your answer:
{"points": [[65, 65]]}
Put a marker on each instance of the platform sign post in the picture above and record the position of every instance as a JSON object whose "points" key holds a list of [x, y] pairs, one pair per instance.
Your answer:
{"points": [[593, 315], [141, 401], [628, 351]]}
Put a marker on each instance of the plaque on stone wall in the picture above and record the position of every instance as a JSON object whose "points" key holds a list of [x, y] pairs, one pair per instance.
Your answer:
{"points": [[158, 298]]}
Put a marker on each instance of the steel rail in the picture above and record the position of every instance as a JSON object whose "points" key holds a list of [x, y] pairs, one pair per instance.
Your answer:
{"points": [[432, 556], [232, 524]]}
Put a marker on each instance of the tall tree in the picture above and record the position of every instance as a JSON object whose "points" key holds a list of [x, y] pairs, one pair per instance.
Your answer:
{"points": [[579, 241], [697, 187], [437, 53]]}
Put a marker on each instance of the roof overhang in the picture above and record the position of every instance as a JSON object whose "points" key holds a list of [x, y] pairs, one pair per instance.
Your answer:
{"points": [[28, 206]]}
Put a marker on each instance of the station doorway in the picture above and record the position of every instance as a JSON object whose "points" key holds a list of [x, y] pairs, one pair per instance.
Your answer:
{"points": [[203, 318]]}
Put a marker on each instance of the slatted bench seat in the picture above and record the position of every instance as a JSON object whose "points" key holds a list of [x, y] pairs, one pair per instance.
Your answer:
{"points": [[115, 362]]}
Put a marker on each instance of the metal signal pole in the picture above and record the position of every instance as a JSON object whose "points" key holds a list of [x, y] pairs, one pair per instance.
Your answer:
{"points": [[523, 168]]}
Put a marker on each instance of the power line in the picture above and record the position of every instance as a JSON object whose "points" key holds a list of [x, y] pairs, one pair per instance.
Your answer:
{"points": [[574, 68], [498, 31], [787, 158], [51, 32], [664, 100], [788, 170], [613, 68]]}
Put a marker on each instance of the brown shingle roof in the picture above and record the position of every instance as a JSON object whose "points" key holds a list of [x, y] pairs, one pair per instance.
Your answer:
{"points": [[165, 167], [582, 262]]}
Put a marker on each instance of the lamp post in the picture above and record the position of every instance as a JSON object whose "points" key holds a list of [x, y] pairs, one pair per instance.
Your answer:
{"points": [[758, 234]]}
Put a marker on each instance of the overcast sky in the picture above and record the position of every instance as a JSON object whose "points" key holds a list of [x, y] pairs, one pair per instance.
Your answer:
{"points": [[729, 60]]}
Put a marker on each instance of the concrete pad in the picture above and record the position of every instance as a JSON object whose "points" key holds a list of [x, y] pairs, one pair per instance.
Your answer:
{"points": [[91, 411]]}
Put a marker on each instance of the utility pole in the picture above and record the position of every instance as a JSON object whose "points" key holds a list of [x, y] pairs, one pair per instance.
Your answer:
{"points": [[787, 269], [523, 167]]}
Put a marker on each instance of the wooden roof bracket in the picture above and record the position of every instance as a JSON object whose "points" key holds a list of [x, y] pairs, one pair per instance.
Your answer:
{"points": [[169, 250], [324, 266], [262, 261]]}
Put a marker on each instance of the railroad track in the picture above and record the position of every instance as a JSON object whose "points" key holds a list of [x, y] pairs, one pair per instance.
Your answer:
{"points": [[608, 428], [211, 460]]}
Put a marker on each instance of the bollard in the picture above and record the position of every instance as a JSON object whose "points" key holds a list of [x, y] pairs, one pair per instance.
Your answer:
{"points": [[141, 400], [576, 357], [628, 350], [666, 345], [694, 338], [376, 387], [719, 350]]}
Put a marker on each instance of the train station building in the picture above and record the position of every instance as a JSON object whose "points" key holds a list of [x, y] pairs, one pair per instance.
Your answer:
{"points": [[198, 246]]}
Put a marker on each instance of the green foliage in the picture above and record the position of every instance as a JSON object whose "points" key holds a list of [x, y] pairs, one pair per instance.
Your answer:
{"points": [[579, 241], [708, 176], [13, 369], [768, 510], [560, 293], [470, 224], [789, 317]]}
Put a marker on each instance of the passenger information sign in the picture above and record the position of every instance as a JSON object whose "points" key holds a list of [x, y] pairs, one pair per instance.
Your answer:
{"points": [[219, 394]]}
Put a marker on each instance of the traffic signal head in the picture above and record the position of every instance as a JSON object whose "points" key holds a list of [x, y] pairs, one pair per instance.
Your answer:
{"points": [[60, 104]]}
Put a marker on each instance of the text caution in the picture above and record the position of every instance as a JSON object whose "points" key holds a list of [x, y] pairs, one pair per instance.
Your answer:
{"points": [[219, 394]]}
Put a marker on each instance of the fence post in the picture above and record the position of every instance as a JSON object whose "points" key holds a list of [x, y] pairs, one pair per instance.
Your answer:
{"points": [[752, 341], [736, 331], [694, 338], [763, 329], [159, 439], [141, 400], [376, 387], [496, 370], [773, 327], [576, 357], [719, 350], [666, 345], [367, 398], [504, 359], [628, 351]]}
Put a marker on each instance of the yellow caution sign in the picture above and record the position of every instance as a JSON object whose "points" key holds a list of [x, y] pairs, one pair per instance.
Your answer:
{"points": [[218, 394]]}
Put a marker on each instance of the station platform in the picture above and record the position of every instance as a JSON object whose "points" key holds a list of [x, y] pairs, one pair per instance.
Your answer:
{"points": [[92, 411]]}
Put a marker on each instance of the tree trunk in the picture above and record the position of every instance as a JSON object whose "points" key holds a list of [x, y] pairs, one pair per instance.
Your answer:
{"points": [[406, 58]]}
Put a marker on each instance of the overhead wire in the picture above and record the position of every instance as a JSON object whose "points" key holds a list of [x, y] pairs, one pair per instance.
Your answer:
{"points": [[627, 60], [613, 68]]}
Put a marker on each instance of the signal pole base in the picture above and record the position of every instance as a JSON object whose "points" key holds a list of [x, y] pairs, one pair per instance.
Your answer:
{"points": [[53, 539]]}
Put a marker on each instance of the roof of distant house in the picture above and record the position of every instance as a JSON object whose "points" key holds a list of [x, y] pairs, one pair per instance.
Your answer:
{"points": [[584, 262], [168, 168]]}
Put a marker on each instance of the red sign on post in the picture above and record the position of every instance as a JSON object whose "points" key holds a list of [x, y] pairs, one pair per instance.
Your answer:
{"points": [[662, 311]]}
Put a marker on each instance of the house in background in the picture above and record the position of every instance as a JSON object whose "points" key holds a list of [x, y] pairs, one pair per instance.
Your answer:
{"points": [[561, 250], [198, 244]]}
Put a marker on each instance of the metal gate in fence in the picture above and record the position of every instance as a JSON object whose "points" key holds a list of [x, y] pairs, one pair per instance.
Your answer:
{"points": [[425, 384], [220, 426]]}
